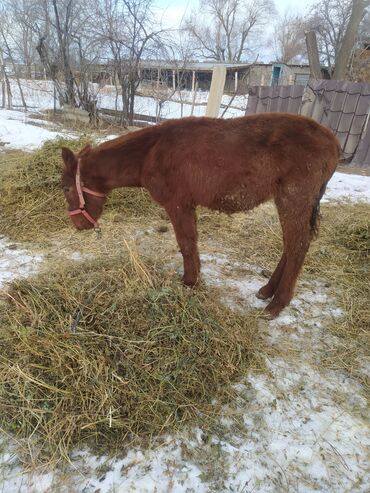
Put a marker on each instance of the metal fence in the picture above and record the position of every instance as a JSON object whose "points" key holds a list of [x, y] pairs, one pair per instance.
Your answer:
{"points": [[340, 105], [263, 99]]}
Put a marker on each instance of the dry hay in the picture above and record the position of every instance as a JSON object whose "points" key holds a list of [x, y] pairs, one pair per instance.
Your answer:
{"points": [[39, 346], [342, 257], [339, 257], [31, 202], [353, 232], [106, 352]]}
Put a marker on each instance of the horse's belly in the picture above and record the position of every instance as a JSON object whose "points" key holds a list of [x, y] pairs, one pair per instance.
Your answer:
{"points": [[237, 201]]}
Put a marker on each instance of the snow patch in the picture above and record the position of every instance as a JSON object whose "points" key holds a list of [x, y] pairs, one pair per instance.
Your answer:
{"points": [[15, 262], [353, 188], [16, 132]]}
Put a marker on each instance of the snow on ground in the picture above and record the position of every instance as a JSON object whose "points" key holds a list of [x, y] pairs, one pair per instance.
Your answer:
{"points": [[39, 95], [15, 262], [296, 426], [348, 187], [296, 430], [180, 105], [19, 131]]}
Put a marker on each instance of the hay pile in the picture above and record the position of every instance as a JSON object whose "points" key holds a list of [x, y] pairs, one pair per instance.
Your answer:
{"points": [[31, 203], [354, 232], [338, 257], [341, 257], [105, 352]]}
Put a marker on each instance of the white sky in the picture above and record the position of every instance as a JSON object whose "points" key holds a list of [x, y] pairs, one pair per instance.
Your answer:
{"points": [[173, 11]]}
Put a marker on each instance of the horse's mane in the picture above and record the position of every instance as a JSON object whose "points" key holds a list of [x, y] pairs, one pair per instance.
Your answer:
{"points": [[136, 137]]}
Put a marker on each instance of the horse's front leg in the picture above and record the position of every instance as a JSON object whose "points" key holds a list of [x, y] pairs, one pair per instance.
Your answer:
{"points": [[183, 219]]}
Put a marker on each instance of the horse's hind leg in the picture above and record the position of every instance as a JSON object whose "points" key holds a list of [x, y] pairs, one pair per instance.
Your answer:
{"points": [[285, 210], [296, 217], [269, 289]]}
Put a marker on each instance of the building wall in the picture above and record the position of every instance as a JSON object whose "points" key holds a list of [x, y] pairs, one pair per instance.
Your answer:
{"points": [[240, 85], [254, 75], [262, 75]]}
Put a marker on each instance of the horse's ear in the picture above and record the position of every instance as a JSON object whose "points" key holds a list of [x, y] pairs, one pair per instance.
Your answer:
{"points": [[85, 150], [69, 159]]}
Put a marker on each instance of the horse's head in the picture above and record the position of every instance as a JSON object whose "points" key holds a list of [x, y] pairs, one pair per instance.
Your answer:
{"points": [[85, 205]]}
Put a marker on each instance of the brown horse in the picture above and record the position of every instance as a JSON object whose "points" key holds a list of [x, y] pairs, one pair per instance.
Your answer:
{"points": [[227, 165]]}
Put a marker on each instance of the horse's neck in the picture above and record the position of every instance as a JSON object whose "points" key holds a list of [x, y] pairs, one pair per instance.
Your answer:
{"points": [[119, 163]]}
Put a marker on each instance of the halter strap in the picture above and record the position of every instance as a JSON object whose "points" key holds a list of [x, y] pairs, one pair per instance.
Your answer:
{"points": [[80, 192]]}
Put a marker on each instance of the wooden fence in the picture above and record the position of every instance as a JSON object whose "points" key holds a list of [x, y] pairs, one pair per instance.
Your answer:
{"points": [[340, 105]]}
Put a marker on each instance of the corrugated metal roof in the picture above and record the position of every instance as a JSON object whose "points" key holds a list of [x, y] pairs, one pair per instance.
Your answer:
{"points": [[342, 106], [205, 66], [182, 65]]}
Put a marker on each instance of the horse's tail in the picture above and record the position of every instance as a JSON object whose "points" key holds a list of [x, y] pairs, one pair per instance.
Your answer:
{"points": [[315, 216], [341, 159]]}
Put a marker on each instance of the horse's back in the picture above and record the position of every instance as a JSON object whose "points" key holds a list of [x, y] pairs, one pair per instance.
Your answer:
{"points": [[235, 164], [276, 138]]}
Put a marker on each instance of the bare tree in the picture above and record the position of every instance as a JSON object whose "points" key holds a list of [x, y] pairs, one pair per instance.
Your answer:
{"points": [[230, 27], [127, 32], [5, 84], [66, 49], [289, 39], [364, 31], [7, 48], [22, 37], [329, 19], [178, 54], [63, 32], [349, 38], [338, 27], [71, 36]]}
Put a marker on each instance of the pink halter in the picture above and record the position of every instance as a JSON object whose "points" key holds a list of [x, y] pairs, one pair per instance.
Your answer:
{"points": [[80, 190]]}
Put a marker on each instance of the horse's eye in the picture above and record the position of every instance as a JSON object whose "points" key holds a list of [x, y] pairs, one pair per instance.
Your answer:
{"points": [[66, 189]]}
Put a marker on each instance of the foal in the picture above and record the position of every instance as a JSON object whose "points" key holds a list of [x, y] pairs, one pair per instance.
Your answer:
{"points": [[226, 165]]}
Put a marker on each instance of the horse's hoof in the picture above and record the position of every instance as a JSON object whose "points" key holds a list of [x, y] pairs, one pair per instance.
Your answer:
{"points": [[268, 315], [261, 296], [190, 283], [271, 311]]}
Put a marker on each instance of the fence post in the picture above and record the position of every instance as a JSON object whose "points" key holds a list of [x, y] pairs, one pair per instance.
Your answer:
{"points": [[194, 97], [216, 91], [313, 54], [2, 74]]}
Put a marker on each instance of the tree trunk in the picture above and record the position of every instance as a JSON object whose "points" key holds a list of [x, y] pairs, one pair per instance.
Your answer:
{"points": [[349, 38], [10, 55], [131, 112], [125, 105], [6, 84], [50, 70], [68, 75]]}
